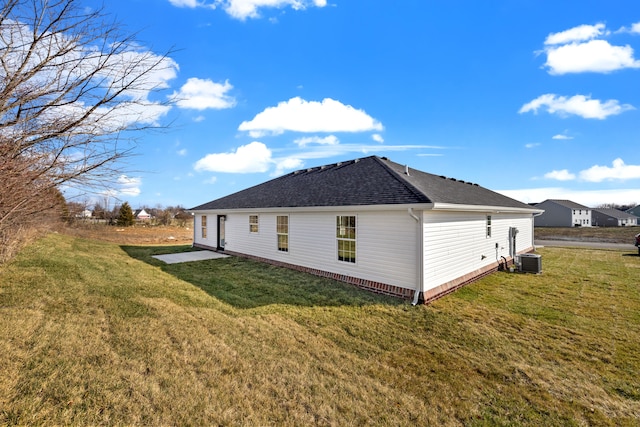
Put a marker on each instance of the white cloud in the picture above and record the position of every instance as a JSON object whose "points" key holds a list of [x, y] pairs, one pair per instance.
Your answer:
{"points": [[243, 9], [327, 140], [582, 49], [579, 105], [250, 158], [561, 175], [561, 136], [377, 138], [591, 198], [182, 152], [618, 171], [635, 28], [257, 157], [201, 94], [130, 73], [128, 186], [185, 3], [287, 164], [532, 145], [593, 56], [576, 34], [298, 115]]}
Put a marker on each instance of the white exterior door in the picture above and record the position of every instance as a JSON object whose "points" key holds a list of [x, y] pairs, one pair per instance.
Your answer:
{"points": [[221, 222]]}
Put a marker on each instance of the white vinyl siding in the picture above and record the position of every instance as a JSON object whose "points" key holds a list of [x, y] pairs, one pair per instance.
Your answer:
{"points": [[456, 243], [452, 244], [386, 243]]}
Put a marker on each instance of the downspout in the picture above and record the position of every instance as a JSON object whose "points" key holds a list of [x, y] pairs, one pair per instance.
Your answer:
{"points": [[193, 244], [533, 229], [420, 259]]}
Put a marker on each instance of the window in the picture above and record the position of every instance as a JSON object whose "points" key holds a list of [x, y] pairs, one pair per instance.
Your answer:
{"points": [[253, 223], [282, 230], [488, 225], [203, 223], [346, 235]]}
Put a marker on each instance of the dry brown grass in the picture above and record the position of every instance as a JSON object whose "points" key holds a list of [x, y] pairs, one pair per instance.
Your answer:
{"points": [[139, 234], [94, 333], [594, 234]]}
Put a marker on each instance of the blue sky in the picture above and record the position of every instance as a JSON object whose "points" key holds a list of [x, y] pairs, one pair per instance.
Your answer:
{"points": [[535, 99]]}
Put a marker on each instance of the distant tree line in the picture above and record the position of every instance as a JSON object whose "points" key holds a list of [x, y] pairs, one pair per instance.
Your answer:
{"points": [[123, 214], [616, 206]]}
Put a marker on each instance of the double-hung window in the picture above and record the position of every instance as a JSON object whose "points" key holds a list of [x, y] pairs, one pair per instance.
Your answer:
{"points": [[282, 230], [346, 236], [203, 224], [253, 223]]}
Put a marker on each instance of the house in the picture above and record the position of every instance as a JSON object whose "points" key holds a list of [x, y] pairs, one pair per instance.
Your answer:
{"points": [[374, 223], [141, 215], [613, 218], [563, 213], [634, 211], [86, 213]]}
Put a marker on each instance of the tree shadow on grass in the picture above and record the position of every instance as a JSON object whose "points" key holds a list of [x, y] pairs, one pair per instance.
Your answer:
{"points": [[245, 283]]}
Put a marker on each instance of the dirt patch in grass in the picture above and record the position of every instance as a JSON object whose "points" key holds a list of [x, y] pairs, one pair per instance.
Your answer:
{"points": [[139, 234]]}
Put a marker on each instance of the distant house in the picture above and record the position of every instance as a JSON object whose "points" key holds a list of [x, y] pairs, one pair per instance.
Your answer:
{"points": [[374, 223], [141, 215], [563, 213], [613, 218], [634, 211], [86, 213]]}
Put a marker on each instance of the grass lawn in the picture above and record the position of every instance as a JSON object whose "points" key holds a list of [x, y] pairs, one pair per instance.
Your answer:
{"points": [[96, 333]]}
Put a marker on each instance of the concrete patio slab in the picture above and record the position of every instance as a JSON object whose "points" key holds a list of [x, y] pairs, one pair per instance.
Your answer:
{"points": [[189, 256]]}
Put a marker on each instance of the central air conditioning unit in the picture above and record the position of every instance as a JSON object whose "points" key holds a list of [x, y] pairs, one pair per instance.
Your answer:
{"points": [[531, 263]]}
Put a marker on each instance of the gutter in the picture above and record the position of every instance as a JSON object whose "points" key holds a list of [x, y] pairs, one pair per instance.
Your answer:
{"points": [[419, 257], [483, 208]]}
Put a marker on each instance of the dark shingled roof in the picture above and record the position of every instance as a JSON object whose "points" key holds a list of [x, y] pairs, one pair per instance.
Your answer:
{"points": [[367, 181], [615, 213], [566, 203]]}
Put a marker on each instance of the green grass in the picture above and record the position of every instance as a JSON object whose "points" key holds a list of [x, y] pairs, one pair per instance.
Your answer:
{"points": [[94, 333]]}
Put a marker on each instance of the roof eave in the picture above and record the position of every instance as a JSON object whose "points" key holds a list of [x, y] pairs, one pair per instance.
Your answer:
{"points": [[381, 207]]}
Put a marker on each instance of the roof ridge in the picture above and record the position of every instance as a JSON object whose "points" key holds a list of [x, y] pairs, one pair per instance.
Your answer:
{"points": [[400, 178]]}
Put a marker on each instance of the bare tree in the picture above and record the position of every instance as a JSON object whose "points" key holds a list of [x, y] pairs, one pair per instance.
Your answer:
{"points": [[73, 92]]}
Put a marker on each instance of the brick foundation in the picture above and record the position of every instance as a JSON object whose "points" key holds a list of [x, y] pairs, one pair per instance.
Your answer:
{"points": [[377, 287]]}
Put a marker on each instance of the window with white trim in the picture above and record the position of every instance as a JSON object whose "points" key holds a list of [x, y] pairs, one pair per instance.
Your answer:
{"points": [[346, 236], [203, 224], [282, 230], [253, 223]]}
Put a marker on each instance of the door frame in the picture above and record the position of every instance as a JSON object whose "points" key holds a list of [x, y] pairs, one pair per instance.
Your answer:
{"points": [[220, 235]]}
